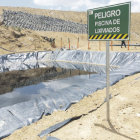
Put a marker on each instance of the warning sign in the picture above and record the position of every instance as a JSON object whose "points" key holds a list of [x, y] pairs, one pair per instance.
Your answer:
{"points": [[109, 23]]}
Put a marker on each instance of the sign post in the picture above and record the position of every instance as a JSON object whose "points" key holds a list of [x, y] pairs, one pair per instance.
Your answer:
{"points": [[107, 80], [107, 24]]}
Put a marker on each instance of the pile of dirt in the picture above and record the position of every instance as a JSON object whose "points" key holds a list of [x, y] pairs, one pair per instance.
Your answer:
{"points": [[14, 40]]}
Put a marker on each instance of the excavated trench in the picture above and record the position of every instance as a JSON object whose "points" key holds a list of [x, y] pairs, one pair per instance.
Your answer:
{"points": [[24, 85], [39, 83]]}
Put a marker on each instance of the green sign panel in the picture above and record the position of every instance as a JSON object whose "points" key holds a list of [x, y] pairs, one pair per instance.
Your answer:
{"points": [[109, 23]]}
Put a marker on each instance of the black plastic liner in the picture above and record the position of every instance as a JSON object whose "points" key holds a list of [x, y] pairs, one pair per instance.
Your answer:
{"points": [[62, 93], [57, 126]]}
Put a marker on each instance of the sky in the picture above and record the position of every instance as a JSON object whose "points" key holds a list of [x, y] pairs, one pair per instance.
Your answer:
{"points": [[68, 5]]}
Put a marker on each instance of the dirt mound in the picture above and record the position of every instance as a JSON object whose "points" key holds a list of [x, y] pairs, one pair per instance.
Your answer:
{"points": [[14, 40]]}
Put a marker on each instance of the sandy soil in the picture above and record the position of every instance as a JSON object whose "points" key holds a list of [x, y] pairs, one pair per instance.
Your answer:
{"points": [[124, 114], [32, 40], [13, 40]]}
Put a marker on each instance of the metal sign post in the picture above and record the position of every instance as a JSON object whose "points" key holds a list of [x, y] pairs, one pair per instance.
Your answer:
{"points": [[107, 80], [107, 24]]}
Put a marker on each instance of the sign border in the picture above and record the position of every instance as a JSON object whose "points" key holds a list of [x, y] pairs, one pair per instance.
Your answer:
{"points": [[109, 7]]}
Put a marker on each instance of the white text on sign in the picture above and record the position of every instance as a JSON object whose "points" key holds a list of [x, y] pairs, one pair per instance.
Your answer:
{"points": [[99, 22]]}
